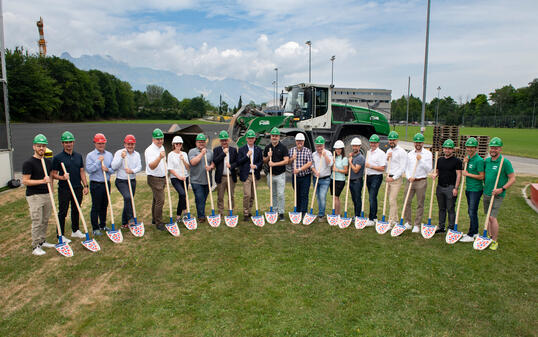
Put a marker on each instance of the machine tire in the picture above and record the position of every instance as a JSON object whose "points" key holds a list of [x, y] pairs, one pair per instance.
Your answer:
{"points": [[365, 146]]}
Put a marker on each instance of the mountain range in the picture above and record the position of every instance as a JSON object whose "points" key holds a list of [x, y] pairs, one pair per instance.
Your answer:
{"points": [[181, 86]]}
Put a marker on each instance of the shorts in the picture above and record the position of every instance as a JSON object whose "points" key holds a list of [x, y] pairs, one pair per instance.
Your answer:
{"points": [[496, 205], [339, 186]]}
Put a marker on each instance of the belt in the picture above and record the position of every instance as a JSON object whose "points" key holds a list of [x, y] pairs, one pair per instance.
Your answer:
{"points": [[419, 179], [445, 186], [96, 182], [326, 177], [149, 175], [356, 179]]}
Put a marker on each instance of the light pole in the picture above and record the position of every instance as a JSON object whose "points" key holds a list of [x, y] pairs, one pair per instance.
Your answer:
{"points": [[425, 80], [309, 44], [407, 114], [437, 113], [332, 68], [274, 92], [276, 88]]}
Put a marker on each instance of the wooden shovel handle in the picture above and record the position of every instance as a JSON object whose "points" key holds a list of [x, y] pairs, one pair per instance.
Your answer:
{"points": [[209, 183], [75, 199], [386, 187], [130, 188], [433, 184], [364, 181], [460, 196], [254, 180], [348, 181], [168, 185], [49, 187], [493, 196], [409, 189], [108, 197]]}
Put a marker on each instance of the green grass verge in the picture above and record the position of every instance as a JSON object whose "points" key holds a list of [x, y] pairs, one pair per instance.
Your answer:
{"points": [[517, 142], [279, 280]]}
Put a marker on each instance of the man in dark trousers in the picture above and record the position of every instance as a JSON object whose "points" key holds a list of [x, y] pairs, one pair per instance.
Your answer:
{"points": [[246, 169], [449, 177], [225, 159], [74, 165]]}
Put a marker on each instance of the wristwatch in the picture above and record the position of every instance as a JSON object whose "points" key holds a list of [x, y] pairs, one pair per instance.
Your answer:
{"points": [[504, 189]]}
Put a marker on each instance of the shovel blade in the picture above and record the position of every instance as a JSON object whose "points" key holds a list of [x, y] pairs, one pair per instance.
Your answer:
{"points": [[172, 228], [360, 222], [190, 223], [64, 249], [453, 236], [214, 220], [138, 230], [333, 220], [295, 217], [258, 220], [308, 218], [381, 227], [271, 217], [428, 231], [115, 236], [481, 242], [345, 222], [231, 220], [397, 230], [91, 245]]}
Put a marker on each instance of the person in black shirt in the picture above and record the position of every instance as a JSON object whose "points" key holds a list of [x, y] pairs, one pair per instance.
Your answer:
{"points": [[37, 194], [448, 174], [277, 156], [74, 165]]}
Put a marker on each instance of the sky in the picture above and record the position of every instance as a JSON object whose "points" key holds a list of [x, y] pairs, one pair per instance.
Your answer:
{"points": [[475, 46]]}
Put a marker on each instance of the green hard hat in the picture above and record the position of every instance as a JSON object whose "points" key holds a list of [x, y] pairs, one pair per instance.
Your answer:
{"points": [[200, 136], [40, 139], [157, 134], [223, 135], [319, 140], [471, 142], [274, 131], [449, 143], [393, 135], [374, 138], [495, 141], [250, 134], [418, 138], [67, 137]]}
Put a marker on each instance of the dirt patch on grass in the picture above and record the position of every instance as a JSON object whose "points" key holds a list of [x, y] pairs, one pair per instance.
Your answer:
{"points": [[12, 195]]}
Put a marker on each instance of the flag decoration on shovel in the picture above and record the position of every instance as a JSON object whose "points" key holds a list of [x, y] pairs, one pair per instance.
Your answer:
{"points": [[137, 229], [400, 228], [64, 249], [333, 219], [453, 235], [381, 227], [362, 221], [213, 219], [189, 222], [428, 230], [295, 217]]}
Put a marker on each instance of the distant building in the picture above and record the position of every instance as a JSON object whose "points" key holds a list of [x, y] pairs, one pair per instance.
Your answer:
{"points": [[365, 98]]}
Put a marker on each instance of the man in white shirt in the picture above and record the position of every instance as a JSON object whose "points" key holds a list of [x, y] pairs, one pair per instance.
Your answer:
{"points": [[375, 166], [134, 165], [398, 162], [322, 161], [419, 180], [155, 171]]}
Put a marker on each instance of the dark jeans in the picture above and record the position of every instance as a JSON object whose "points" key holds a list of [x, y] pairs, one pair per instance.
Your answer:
{"points": [[355, 187], [373, 182], [200, 196], [99, 205], [302, 191], [123, 187], [446, 202], [182, 201], [64, 199], [473, 200]]}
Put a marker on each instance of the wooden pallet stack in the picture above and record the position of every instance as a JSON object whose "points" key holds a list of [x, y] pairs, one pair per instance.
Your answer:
{"points": [[483, 142], [442, 133]]}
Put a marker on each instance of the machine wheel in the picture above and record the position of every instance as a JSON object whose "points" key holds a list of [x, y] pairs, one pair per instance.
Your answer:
{"points": [[365, 146]]}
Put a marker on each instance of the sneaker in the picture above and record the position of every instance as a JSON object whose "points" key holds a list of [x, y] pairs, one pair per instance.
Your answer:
{"points": [[178, 219], [78, 234], [160, 227], [494, 245], [281, 217], [105, 229], [38, 251], [440, 230], [47, 245], [467, 238], [125, 226], [65, 240], [321, 219], [97, 232], [407, 226], [370, 223], [416, 229]]}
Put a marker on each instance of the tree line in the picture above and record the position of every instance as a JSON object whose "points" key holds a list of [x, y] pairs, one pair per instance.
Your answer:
{"points": [[504, 107]]}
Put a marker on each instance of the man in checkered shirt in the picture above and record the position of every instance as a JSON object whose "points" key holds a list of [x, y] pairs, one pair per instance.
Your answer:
{"points": [[301, 161]]}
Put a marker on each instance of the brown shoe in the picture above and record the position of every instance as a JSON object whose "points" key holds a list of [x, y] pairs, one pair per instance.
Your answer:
{"points": [[201, 220]]}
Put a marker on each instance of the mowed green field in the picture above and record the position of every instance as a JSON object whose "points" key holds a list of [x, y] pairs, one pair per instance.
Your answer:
{"points": [[279, 280], [517, 142]]}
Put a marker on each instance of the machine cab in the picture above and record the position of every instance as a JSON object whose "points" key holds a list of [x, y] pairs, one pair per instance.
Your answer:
{"points": [[310, 104]]}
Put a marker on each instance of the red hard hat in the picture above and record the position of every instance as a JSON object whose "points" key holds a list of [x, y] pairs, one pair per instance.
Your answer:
{"points": [[99, 138], [130, 139]]}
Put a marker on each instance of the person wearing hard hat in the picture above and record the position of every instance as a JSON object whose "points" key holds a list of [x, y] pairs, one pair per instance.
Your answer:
{"points": [[178, 167], [155, 157], [448, 176], [130, 158], [301, 161], [74, 164], [420, 181], [225, 160], [340, 169], [322, 160], [356, 161], [245, 153], [37, 194], [398, 162], [474, 186], [97, 162], [198, 176], [375, 166], [506, 179], [277, 156]]}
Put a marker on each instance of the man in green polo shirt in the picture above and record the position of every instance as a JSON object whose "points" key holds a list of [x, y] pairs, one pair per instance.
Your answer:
{"points": [[474, 186], [506, 179]]}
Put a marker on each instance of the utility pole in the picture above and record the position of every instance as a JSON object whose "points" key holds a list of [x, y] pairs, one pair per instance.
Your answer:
{"points": [[437, 113], [407, 114], [425, 80], [309, 44], [332, 68]]}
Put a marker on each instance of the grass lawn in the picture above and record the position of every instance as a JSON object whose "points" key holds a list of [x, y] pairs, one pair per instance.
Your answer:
{"points": [[279, 280], [518, 142]]}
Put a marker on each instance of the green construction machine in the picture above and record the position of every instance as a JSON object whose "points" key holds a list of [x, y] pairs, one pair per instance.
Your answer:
{"points": [[310, 109]]}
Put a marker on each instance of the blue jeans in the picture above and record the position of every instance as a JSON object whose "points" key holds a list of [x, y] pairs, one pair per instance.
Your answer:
{"points": [[123, 187], [302, 191], [373, 182], [355, 187], [323, 187], [473, 200], [200, 196]]}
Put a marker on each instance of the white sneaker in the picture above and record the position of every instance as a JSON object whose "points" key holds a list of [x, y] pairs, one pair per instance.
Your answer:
{"points": [[370, 223], [416, 229], [467, 238], [407, 226], [78, 234], [38, 251], [47, 245], [65, 240]]}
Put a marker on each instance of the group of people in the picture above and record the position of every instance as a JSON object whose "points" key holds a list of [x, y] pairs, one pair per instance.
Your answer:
{"points": [[245, 163]]}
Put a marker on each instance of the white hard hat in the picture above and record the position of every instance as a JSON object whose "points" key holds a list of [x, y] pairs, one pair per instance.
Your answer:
{"points": [[177, 139], [299, 136], [356, 141], [338, 144]]}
